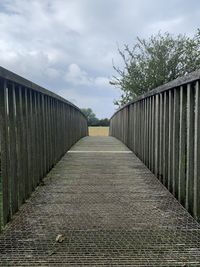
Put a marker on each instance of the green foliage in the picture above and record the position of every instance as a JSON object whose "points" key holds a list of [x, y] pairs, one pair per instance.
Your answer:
{"points": [[155, 61], [92, 120], [104, 122], [91, 117]]}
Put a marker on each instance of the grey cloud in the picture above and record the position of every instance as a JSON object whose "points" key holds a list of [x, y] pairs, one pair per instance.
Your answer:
{"points": [[68, 46]]}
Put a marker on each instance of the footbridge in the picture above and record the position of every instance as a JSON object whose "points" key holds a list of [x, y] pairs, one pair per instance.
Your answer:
{"points": [[129, 199]]}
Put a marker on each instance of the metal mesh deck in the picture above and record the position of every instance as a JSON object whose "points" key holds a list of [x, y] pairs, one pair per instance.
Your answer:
{"points": [[111, 209]]}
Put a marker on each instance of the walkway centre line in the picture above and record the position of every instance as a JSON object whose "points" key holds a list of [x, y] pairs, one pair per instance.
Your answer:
{"points": [[95, 151]]}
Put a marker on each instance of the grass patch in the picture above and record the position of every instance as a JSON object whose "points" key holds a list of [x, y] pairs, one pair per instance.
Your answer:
{"points": [[98, 131]]}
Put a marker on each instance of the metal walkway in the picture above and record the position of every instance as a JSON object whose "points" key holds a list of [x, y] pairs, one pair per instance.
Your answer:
{"points": [[111, 210]]}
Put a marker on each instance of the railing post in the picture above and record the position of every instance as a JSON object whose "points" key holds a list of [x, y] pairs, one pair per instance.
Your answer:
{"points": [[170, 143], [20, 146], [197, 153], [161, 137], [166, 138], [5, 213], [153, 134], [182, 147], [190, 149], [150, 133], [157, 136], [175, 150], [13, 179], [147, 131]]}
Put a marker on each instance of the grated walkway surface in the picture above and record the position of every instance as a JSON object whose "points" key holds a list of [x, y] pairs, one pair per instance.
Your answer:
{"points": [[111, 209]]}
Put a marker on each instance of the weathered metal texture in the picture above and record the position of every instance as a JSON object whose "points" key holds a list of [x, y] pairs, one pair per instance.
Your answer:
{"points": [[36, 128], [111, 210], [168, 127]]}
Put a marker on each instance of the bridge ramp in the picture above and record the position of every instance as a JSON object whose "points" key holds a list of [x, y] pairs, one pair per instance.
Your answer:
{"points": [[111, 211]]}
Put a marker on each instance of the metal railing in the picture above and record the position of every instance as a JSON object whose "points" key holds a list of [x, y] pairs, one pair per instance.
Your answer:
{"points": [[162, 127], [37, 127]]}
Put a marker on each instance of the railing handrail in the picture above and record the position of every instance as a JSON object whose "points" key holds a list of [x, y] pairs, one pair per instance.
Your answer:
{"points": [[180, 81], [162, 127], [37, 127], [13, 77]]}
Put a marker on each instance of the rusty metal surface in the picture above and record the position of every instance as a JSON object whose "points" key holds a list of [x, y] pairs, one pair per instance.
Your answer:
{"points": [[111, 210]]}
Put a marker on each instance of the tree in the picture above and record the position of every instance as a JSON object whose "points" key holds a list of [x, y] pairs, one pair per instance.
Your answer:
{"points": [[92, 120], [91, 117], [104, 122], [155, 61]]}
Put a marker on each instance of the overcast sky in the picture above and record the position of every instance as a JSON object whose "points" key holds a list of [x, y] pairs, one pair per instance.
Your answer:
{"points": [[68, 46]]}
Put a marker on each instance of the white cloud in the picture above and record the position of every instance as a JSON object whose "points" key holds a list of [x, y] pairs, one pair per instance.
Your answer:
{"points": [[70, 44], [53, 73], [166, 25], [101, 81], [77, 76]]}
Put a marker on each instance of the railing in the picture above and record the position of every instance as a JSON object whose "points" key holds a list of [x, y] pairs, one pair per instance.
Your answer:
{"points": [[162, 127], [36, 128]]}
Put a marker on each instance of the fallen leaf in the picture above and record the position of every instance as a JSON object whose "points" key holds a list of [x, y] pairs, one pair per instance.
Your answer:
{"points": [[60, 238]]}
